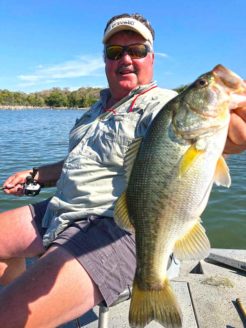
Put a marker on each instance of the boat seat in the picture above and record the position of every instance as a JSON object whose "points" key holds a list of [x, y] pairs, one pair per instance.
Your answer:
{"points": [[103, 318]]}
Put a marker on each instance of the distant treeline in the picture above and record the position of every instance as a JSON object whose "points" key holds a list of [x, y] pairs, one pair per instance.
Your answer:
{"points": [[56, 97]]}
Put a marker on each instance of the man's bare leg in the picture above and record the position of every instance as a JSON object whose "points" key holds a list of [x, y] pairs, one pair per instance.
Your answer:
{"points": [[55, 290], [11, 269], [19, 238]]}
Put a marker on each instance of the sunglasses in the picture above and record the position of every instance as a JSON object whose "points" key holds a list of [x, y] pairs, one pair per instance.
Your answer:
{"points": [[135, 51]]}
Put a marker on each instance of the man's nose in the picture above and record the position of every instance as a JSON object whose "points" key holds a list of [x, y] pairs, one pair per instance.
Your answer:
{"points": [[126, 57]]}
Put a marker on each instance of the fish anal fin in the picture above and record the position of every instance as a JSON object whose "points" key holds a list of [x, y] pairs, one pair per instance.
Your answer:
{"points": [[154, 304], [222, 175], [121, 214], [194, 245], [188, 159]]}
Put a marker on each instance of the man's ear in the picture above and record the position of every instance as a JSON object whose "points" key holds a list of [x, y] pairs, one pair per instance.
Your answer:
{"points": [[153, 57]]}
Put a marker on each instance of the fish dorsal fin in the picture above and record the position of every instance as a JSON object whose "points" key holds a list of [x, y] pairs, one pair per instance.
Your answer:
{"points": [[222, 175], [194, 245], [189, 157], [121, 214], [131, 156]]}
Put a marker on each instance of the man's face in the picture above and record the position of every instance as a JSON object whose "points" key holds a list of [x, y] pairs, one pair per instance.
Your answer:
{"points": [[126, 73]]}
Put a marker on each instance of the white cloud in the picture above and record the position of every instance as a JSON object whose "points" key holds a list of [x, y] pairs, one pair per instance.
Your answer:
{"points": [[161, 54], [83, 66]]}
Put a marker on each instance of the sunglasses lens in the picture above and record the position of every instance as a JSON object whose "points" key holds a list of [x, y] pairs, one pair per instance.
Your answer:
{"points": [[135, 51], [114, 52]]}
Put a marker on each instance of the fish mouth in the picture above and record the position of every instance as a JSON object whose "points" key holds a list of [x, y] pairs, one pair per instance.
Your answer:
{"points": [[199, 113], [193, 130], [191, 134], [229, 79], [234, 85]]}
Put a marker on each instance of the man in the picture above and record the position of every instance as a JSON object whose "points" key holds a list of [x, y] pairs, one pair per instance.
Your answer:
{"points": [[86, 258]]}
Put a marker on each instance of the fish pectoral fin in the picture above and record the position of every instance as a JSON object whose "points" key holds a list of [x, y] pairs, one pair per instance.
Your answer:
{"points": [[222, 175], [131, 156], [155, 304], [194, 245], [121, 214], [189, 157]]}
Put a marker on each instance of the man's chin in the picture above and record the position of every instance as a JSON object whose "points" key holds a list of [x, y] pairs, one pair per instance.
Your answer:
{"points": [[128, 84]]}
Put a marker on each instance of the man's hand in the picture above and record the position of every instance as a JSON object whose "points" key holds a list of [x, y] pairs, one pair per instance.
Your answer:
{"points": [[14, 184], [47, 175], [236, 139]]}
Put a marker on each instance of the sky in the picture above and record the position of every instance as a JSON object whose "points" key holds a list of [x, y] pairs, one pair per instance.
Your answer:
{"points": [[58, 43]]}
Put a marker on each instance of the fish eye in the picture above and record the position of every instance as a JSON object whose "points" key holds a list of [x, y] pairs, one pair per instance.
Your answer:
{"points": [[202, 82]]}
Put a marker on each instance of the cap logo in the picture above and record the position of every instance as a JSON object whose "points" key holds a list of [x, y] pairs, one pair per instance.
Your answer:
{"points": [[123, 22]]}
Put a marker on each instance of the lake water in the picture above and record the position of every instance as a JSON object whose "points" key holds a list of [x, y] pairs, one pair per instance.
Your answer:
{"points": [[34, 137]]}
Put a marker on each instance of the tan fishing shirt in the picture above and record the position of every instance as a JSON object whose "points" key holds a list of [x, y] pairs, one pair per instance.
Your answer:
{"points": [[92, 177]]}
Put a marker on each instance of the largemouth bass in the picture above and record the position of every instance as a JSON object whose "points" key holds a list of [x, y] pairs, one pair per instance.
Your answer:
{"points": [[170, 177]]}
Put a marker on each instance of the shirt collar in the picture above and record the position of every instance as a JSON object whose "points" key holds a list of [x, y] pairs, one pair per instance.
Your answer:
{"points": [[105, 94]]}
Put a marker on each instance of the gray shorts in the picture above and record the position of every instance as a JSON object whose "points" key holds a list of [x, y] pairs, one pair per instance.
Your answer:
{"points": [[104, 250]]}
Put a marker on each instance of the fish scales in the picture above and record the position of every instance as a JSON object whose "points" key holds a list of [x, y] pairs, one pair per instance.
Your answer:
{"points": [[169, 186]]}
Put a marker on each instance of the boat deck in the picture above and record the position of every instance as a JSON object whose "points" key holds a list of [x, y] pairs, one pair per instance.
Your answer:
{"points": [[207, 292]]}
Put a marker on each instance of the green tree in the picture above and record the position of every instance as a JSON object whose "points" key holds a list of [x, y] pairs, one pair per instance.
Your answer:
{"points": [[6, 97], [35, 100], [57, 98], [73, 99]]}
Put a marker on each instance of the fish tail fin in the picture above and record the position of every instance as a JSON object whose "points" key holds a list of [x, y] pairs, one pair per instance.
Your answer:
{"points": [[160, 305]]}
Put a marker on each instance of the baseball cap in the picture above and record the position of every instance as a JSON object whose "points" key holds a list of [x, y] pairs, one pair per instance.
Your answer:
{"points": [[127, 23]]}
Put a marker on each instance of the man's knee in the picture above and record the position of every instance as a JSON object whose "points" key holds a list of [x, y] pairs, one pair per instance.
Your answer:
{"points": [[10, 269], [19, 235]]}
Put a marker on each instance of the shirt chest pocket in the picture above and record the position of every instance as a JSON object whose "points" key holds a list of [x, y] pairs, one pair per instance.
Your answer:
{"points": [[110, 139]]}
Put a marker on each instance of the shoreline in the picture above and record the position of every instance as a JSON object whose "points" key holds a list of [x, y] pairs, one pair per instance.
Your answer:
{"points": [[15, 107]]}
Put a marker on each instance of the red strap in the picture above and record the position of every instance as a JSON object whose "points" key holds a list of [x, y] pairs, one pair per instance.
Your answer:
{"points": [[140, 94], [111, 110], [133, 102]]}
